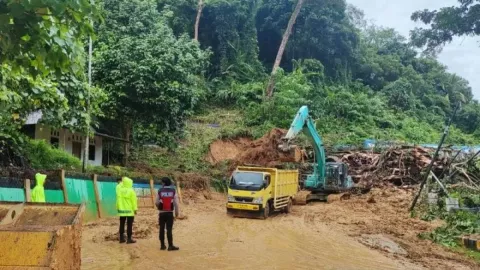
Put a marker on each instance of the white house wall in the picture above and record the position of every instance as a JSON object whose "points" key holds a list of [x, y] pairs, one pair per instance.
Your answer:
{"points": [[43, 132], [98, 152]]}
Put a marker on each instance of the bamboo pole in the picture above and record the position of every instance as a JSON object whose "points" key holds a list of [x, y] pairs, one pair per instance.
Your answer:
{"points": [[28, 192], [179, 189], [152, 192], [97, 196], [64, 186]]}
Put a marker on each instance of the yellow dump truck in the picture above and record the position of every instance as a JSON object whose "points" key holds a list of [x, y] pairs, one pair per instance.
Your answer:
{"points": [[40, 236], [256, 191]]}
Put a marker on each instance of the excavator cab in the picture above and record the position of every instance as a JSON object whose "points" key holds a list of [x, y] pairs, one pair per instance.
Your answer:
{"points": [[336, 176]]}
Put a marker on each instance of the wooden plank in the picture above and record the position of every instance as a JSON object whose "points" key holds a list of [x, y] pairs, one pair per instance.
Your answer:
{"points": [[179, 189], [152, 193], [97, 195], [28, 191], [64, 185]]}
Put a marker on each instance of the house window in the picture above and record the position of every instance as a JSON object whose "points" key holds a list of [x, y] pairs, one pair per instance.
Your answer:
{"points": [[54, 138], [55, 142], [91, 152], [54, 133]]}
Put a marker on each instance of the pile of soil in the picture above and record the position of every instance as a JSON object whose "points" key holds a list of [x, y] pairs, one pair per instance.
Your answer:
{"points": [[193, 181], [261, 152], [222, 150]]}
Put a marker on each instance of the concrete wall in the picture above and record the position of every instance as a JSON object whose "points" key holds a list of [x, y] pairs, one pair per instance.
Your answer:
{"points": [[66, 139]]}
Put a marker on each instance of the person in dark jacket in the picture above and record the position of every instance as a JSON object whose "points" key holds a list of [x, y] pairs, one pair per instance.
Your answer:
{"points": [[167, 203]]}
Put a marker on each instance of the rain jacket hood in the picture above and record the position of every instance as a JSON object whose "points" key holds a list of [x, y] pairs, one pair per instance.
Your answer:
{"points": [[126, 198], [127, 182], [40, 179], [38, 192]]}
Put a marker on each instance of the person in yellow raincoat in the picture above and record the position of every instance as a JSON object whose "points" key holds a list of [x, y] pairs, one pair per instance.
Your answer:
{"points": [[126, 208], [38, 192]]}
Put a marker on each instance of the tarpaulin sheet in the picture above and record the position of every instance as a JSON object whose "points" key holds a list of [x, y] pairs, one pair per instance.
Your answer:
{"points": [[54, 196], [82, 191], [107, 195], [12, 194]]}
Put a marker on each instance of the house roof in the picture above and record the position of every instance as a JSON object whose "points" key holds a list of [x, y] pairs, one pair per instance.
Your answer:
{"points": [[33, 118]]}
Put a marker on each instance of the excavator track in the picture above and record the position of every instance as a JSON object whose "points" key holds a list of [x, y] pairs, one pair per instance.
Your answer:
{"points": [[302, 197]]}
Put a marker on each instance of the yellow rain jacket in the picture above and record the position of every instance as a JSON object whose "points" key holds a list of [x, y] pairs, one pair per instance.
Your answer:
{"points": [[38, 192], [126, 198]]}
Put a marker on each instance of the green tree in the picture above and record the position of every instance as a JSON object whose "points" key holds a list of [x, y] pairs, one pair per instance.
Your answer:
{"points": [[446, 23], [152, 77], [42, 61], [323, 31]]}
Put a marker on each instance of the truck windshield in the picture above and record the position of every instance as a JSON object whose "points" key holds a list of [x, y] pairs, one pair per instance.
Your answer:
{"points": [[247, 181]]}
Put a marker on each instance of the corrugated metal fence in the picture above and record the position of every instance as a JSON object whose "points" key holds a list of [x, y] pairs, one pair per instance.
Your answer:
{"points": [[97, 192]]}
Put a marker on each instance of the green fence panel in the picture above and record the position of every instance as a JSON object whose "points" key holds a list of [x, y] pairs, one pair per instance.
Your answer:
{"points": [[108, 198], [12, 194], [79, 191], [54, 196]]}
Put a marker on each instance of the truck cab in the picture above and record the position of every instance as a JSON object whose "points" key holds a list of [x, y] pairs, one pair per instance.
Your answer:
{"points": [[254, 191], [248, 190]]}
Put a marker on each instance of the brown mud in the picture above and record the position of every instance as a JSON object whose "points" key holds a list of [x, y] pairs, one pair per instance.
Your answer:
{"points": [[261, 152], [351, 234], [46, 217]]}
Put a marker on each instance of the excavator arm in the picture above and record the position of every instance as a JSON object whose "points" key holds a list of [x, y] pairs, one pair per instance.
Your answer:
{"points": [[304, 123]]}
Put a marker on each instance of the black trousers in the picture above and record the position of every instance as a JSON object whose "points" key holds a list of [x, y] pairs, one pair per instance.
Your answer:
{"points": [[129, 221], [166, 220]]}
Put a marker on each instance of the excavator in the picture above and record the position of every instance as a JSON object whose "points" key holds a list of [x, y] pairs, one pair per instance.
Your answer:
{"points": [[329, 180]]}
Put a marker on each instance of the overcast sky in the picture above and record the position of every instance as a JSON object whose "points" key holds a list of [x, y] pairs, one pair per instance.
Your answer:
{"points": [[462, 56]]}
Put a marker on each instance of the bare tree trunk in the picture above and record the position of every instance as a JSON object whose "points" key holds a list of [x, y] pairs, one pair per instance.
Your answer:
{"points": [[126, 146], [286, 36], [197, 21]]}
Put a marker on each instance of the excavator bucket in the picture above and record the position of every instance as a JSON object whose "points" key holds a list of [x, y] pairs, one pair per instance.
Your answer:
{"points": [[338, 197], [302, 197], [40, 236]]}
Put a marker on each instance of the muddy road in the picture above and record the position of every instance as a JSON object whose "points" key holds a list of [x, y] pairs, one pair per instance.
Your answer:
{"points": [[208, 239]]}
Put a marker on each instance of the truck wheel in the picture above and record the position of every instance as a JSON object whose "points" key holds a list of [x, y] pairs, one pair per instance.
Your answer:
{"points": [[288, 208], [266, 211]]}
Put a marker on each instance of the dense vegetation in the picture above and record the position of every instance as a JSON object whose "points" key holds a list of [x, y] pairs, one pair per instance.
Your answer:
{"points": [[150, 75], [360, 80]]}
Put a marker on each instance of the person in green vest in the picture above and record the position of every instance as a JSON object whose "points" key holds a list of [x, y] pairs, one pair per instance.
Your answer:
{"points": [[126, 208], [38, 192]]}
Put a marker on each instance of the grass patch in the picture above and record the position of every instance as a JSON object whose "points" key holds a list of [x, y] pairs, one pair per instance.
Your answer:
{"points": [[43, 156], [475, 255], [200, 132]]}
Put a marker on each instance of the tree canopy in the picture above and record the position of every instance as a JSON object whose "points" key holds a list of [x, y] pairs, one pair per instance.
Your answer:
{"points": [[152, 78], [446, 23], [43, 62]]}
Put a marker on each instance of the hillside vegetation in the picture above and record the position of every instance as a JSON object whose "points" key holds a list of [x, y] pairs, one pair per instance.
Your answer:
{"points": [[152, 73]]}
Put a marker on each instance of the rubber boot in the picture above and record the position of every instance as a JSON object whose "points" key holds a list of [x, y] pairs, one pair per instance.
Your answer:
{"points": [[173, 248], [122, 239], [131, 241], [163, 247]]}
